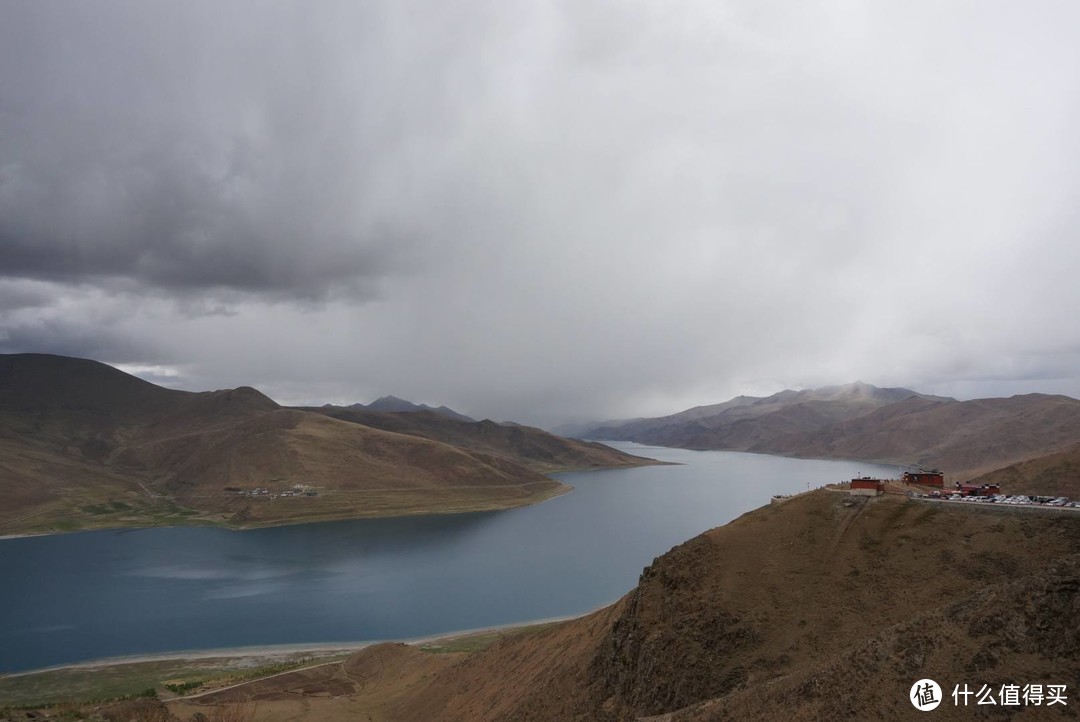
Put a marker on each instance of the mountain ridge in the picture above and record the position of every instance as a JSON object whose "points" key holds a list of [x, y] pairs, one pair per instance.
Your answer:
{"points": [[535, 448]]}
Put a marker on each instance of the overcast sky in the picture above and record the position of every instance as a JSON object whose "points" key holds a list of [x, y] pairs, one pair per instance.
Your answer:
{"points": [[544, 211]]}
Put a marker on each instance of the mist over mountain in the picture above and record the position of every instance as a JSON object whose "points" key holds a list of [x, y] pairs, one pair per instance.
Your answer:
{"points": [[861, 421], [394, 404]]}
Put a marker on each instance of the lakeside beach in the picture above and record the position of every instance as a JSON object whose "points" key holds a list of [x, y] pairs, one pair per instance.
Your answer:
{"points": [[213, 669]]}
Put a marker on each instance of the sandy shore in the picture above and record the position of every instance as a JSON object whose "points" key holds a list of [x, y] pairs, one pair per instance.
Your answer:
{"points": [[24, 536], [258, 655], [270, 653]]}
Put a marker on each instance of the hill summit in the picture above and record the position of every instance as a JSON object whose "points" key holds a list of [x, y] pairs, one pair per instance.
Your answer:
{"points": [[393, 404]]}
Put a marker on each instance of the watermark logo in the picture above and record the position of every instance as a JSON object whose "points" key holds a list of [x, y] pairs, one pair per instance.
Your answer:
{"points": [[1012, 695], [925, 695]]}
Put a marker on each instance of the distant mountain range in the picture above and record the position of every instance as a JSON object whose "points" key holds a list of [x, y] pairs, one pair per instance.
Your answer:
{"points": [[83, 444], [395, 405], [860, 421]]}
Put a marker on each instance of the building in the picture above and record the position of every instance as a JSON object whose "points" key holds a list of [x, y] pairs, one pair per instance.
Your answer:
{"points": [[977, 489], [865, 486], [933, 477]]}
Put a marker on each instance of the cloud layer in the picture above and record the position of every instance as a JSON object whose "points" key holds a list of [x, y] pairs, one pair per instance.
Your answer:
{"points": [[531, 212]]}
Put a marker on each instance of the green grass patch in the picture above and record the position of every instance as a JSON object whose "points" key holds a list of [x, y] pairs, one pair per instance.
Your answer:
{"points": [[84, 685]]}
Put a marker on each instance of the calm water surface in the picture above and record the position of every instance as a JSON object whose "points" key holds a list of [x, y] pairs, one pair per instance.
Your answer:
{"points": [[89, 595]]}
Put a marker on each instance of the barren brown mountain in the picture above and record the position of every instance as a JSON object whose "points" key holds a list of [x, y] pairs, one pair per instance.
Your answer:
{"points": [[704, 427], [822, 607], [858, 421], [83, 444]]}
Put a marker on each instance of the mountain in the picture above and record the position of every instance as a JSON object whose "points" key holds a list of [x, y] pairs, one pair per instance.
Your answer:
{"points": [[707, 427], [84, 444], [535, 448], [860, 421], [395, 405], [625, 429], [965, 438], [824, 606]]}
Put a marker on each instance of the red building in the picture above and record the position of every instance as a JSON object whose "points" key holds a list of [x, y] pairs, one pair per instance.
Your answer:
{"points": [[866, 484], [977, 489], [933, 477]]}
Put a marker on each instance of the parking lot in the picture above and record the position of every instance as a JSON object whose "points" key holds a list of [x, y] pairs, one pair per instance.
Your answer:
{"points": [[1017, 501]]}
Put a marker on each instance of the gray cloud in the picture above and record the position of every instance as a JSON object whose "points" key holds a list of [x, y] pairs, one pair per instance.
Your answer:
{"points": [[533, 211], [189, 148], [73, 339], [17, 295]]}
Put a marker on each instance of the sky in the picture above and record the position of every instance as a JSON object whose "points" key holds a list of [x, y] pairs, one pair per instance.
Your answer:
{"points": [[545, 211]]}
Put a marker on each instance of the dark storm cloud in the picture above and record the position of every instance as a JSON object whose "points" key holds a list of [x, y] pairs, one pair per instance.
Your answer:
{"points": [[76, 339], [193, 147], [236, 260]]}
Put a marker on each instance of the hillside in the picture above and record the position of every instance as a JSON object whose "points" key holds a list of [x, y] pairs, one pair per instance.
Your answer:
{"points": [[1057, 474], [966, 438], [85, 445], [532, 447], [824, 606], [859, 421]]}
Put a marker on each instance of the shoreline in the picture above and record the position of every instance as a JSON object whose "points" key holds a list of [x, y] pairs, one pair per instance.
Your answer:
{"points": [[269, 651], [562, 489]]}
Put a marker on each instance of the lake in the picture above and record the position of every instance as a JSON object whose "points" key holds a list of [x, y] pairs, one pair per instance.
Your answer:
{"points": [[75, 597]]}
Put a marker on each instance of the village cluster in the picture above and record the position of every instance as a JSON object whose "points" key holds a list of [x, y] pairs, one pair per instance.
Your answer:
{"points": [[262, 491]]}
